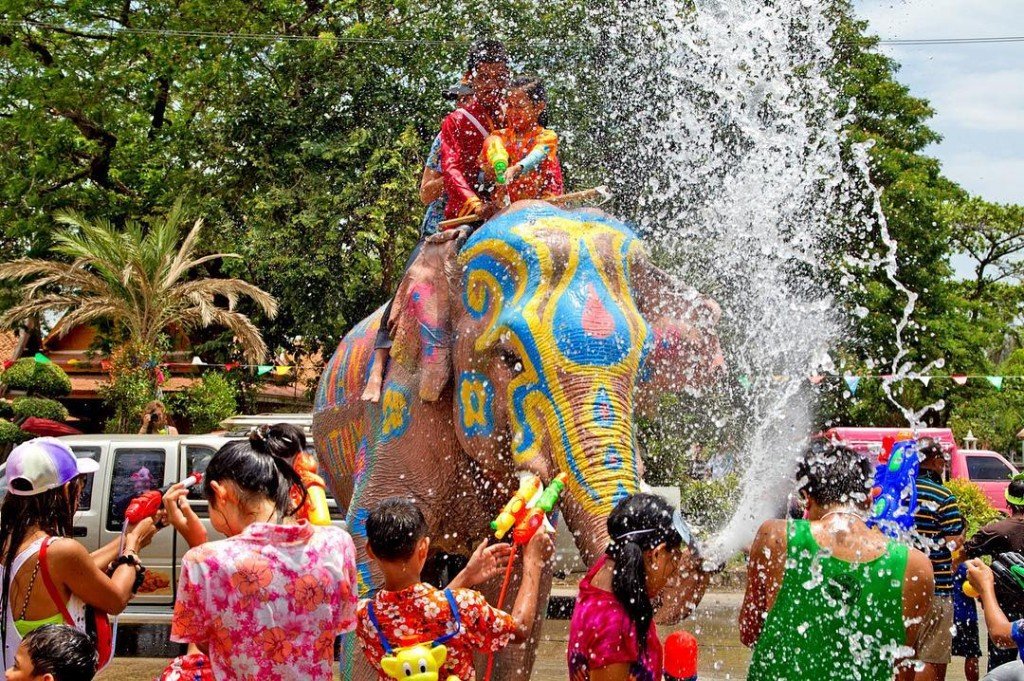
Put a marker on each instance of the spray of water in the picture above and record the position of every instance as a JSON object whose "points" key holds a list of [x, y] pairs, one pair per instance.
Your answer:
{"points": [[730, 105]]}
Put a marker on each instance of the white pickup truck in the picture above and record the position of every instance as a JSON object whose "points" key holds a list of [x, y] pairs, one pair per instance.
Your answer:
{"points": [[130, 465]]}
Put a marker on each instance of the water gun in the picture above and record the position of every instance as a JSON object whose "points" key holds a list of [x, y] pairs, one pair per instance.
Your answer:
{"points": [[148, 503], [537, 155], [681, 657], [538, 509], [516, 508], [1008, 569], [496, 156], [420, 662], [315, 509], [895, 488]]}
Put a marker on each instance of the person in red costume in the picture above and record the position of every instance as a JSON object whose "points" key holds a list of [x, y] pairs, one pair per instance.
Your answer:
{"points": [[464, 130]]}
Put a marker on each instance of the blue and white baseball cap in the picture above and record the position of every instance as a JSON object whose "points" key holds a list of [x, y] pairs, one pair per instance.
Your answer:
{"points": [[43, 464]]}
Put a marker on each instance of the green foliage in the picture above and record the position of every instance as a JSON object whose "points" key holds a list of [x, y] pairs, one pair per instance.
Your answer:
{"points": [[40, 407], [10, 434], [205, 403], [994, 416], [133, 384], [36, 378], [709, 503], [974, 505]]}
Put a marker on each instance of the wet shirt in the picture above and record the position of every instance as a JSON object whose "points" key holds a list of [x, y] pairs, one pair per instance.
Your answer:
{"points": [[965, 608], [832, 619], [993, 539], [462, 139], [1017, 632], [544, 181], [269, 602], [602, 634], [422, 613], [435, 211], [936, 520]]}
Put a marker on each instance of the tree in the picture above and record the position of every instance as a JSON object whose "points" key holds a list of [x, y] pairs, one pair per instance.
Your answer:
{"points": [[138, 280], [992, 234]]}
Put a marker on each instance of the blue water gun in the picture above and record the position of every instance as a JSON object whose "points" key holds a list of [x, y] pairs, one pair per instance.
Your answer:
{"points": [[895, 489]]}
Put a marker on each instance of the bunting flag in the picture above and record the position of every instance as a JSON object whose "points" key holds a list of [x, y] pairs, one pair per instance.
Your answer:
{"points": [[282, 370], [230, 366], [925, 380], [959, 379], [263, 369], [197, 361], [744, 380], [996, 381], [852, 382], [42, 359]]}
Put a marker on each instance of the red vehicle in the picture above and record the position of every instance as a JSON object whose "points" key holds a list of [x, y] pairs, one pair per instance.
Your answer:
{"points": [[989, 470]]}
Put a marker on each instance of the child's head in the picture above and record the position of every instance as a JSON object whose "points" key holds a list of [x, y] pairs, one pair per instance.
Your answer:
{"points": [[487, 72], [834, 475], [646, 542], [396, 532], [527, 103], [245, 474], [54, 653], [285, 440]]}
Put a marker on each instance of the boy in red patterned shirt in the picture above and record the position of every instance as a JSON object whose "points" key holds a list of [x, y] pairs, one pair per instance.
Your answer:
{"points": [[407, 611]]}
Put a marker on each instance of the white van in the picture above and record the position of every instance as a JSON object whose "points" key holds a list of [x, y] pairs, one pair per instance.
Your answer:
{"points": [[129, 465]]}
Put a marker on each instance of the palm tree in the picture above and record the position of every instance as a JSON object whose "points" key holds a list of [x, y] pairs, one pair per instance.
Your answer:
{"points": [[137, 279]]}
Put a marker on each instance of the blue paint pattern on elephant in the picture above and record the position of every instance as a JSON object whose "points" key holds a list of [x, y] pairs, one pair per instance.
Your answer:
{"points": [[476, 399]]}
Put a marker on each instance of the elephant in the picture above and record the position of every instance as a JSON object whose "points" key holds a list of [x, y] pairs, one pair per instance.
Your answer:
{"points": [[527, 348]]}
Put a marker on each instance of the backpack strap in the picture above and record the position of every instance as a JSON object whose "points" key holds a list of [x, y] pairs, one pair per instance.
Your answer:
{"points": [[475, 122], [51, 588], [376, 625], [455, 616]]}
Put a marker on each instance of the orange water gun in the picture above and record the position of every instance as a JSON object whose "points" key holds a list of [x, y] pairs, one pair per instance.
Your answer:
{"points": [[315, 509], [496, 156]]}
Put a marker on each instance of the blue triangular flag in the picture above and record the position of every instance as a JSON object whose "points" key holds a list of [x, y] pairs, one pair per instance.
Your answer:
{"points": [[996, 381], [853, 382]]}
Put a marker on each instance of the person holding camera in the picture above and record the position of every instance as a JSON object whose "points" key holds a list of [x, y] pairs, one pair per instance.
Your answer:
{"points": [[156, 421]]}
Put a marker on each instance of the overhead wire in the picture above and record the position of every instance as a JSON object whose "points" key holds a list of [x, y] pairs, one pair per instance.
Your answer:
{"points": [[286, 37]]}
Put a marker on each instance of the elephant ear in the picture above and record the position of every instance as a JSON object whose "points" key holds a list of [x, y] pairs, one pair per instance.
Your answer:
{"points": [[420, 321], [685, 351]]}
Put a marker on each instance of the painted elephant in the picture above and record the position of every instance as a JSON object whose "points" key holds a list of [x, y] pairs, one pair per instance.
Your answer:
{"points": [[523, 350]]}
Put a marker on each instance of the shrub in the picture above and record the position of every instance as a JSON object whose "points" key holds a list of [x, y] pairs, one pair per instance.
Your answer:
{"points": [[133, 385], [709, 503], [11, 434], [40, 407], [205, 403], [36, 378], [974, 505]]}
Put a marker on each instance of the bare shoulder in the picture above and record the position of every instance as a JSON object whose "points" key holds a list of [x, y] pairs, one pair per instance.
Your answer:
{"points": [[64, 549], [770, 540], [918, 565]]}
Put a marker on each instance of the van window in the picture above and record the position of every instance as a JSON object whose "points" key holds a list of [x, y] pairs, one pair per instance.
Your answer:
{"points": [[982, 468], [134, 471], [85, 500]]}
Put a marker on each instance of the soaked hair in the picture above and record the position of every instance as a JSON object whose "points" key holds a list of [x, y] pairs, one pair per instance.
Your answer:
{"points": [[286, 440], [259, 465], [65, 652], [639, 523], [52, 511], [535, 90], [833, 474], [486, 51], [394, 528]]}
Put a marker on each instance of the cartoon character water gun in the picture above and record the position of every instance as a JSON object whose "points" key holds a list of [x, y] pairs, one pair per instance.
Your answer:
{"points": [[1008, 569], [315, 509], [420, 662], [496, 156], [895, 488], [148, 503]]}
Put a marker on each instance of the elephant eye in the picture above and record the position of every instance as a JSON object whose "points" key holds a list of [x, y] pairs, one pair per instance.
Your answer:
{"points": [[512, 361]]}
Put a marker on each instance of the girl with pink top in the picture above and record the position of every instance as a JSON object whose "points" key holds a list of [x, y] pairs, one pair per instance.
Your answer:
{"points": [[269, 601], [612, 636]]}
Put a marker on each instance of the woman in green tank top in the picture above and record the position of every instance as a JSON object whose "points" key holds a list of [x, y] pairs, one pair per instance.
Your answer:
{"points": [[829, 597]]}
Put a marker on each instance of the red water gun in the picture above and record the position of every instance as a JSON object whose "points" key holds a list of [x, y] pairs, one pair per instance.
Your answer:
{"points": [[148, 503]]}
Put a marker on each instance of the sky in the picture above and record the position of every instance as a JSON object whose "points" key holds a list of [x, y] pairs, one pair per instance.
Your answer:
{"points": [[977, 91]]}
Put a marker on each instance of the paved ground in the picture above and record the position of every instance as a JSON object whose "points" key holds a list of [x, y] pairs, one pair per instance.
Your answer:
{"points": [[722, 657]]}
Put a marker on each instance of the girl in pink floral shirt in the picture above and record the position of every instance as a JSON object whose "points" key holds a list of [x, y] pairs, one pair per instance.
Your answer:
{"points": [[268, 602]]}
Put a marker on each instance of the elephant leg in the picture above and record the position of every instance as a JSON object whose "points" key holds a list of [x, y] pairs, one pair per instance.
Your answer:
{"points": [[516, 661]]}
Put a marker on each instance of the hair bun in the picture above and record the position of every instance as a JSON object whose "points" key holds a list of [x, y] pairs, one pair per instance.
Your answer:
{"points": [[258, 437]]}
